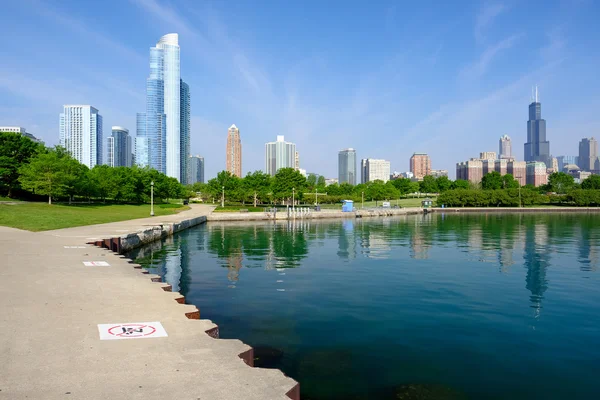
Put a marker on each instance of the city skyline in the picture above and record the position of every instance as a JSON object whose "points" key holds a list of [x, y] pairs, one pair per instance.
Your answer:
{"points": [[473, 67]]}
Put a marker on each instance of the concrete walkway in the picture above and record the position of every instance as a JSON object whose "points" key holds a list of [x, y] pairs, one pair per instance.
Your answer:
{"points": [[50, 308]]}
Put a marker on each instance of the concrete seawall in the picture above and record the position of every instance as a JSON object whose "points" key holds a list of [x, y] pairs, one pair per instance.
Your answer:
{"points": [[58, 292], [301, 213]]}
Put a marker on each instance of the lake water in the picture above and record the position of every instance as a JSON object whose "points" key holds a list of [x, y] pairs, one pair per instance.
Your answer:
{"points": [[445, 306]]}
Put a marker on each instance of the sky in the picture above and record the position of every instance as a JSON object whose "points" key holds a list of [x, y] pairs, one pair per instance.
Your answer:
{"points": [[387, 78]]}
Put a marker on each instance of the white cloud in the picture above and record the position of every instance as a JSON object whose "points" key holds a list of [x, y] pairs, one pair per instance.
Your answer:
{"points": [[480, 67], [487, 14]]}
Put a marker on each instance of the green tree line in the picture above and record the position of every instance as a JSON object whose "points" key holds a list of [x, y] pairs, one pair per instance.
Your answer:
{"points": [[28, 168]]}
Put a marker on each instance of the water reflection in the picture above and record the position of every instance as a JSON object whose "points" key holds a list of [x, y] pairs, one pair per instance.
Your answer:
{"points": [[495, 239]]}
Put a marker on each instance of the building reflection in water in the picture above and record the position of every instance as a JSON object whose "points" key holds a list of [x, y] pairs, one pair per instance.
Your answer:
{"points": [[537, 260], [286, 245]]}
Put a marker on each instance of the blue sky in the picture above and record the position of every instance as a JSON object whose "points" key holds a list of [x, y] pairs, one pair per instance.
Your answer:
{"points": [[388, 78]]}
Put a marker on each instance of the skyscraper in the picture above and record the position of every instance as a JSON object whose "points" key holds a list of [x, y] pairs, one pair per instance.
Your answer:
{"points": [[566, 160], [420, 165], [160, 142], [505, 147], [184, 155], [81, 133], [373, 170], [119, 148], [234, 151], [279, 154], [297, 161], [196, 170], [588, 153], [347, 166], [537, 147]]}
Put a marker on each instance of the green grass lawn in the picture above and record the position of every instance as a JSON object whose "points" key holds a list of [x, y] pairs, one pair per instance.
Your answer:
{"points": [[2, 198], [42, 217]]}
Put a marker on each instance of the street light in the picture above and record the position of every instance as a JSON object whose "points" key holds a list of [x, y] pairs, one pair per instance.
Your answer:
{"points": [[152, 198], [223, 197], [293, 196], [362, 200], [518, 177], [316, 197]]}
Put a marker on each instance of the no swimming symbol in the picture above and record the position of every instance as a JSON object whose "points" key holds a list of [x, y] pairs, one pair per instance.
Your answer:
{"points": [[133, 330]]}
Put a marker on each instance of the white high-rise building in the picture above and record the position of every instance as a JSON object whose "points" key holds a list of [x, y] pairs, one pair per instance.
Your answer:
{"points": [[505, 147], [373, 170], [81, 133], [279, 154], [20, 130]]}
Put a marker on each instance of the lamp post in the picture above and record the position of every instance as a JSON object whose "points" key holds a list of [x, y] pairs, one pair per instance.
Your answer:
{"points": [[152, 198], [222, 196], [316, 197], [362, 200], [518, 177], [293, 196]]}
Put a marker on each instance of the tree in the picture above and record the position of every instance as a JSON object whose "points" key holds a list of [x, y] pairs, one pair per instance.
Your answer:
{"points": [[311, 181], [286, 181], [428, 185], [460, 184], [376, 190], [403, 185], [560, 182], [225, 181], [591, 182], [257, 184], [509, 182], [15, 151], [45, 173], [492, 181], [443, 183], [321, 182]]}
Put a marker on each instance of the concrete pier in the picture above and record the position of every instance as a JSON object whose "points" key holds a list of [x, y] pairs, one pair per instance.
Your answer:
{"points": [[51, 304]]}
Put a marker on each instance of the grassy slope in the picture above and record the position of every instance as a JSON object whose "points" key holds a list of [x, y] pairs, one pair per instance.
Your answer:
{"points": [[42, 217]]}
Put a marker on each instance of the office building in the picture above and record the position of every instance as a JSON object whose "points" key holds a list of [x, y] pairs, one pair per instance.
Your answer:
{"points": [[81, 133], [588, 153], [537, 147], [195, 170], [488, 155], [163, 131], [536, 173], [330, 181], [518, 169], [567, 160], [375, 170], [420, 165], [297, 161], [505, 147], [436, 173], [302, 172], [347, 166], [279, 154], [234, 151], [20, 130], [501, 166], [184, 156], [471, 170], [118, 148]]}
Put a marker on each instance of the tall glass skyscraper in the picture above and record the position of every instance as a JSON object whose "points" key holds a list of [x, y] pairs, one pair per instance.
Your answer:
{"points": [[537, 147], [196, 169], [119, 148], [347, 166], [81, 133], [279, 154], [163, 131]]}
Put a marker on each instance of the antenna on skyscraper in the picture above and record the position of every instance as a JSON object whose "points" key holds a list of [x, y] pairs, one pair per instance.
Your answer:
{"points": [[536, 94]]}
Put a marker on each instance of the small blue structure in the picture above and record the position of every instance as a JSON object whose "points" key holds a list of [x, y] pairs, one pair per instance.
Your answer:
{"points": [[347, 206]]}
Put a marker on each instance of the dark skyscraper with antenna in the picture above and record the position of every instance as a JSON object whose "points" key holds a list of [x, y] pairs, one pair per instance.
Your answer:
{"points": [[537, 147]]}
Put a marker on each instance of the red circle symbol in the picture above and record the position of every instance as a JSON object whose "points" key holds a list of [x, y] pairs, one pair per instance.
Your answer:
{"points": [[132, 330]]}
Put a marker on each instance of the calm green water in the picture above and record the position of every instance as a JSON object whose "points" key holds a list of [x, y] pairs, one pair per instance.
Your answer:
{"points": [[478, 307]]}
